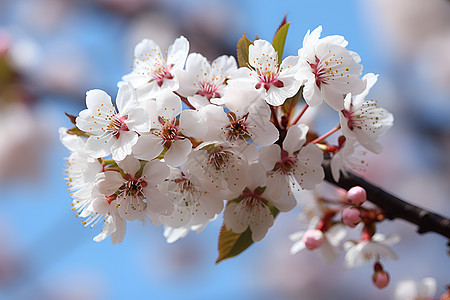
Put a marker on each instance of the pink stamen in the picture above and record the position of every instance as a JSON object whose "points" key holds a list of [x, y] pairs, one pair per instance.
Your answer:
{"points": [[162, 73], [319, 71]]}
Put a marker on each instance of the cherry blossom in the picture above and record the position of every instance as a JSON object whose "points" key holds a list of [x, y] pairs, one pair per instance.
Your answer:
{"points": [[264, 73], [248, 118], [328, 70], [296, 163], [135, 191], [153, 71], [112, 131], [203, 82], [369, 250], [218, 166], [193, 205], [168, 132], [250, 209], [349, 156], [364, 120]]}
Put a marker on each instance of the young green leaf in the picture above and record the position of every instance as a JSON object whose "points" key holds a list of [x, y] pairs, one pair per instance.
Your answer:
{"points": [[231, 244], [242, 50], [279, 40], [77, 131]]}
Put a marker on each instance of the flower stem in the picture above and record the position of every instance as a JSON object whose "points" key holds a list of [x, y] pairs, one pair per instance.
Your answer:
{"points": [[322, 137], [186, 101], [300, 115], [274, 117]]}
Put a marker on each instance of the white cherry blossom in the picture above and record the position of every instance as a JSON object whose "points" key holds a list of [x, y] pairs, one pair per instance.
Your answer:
{"points": [[135, 192], [295, 164], [193, 205], [364, 120], [264, 73], [203, 82], [249, 210], [153, 71], [218, 166], [328, 70], [369, 250], [112, 131], [248, 117], [168, 132]]}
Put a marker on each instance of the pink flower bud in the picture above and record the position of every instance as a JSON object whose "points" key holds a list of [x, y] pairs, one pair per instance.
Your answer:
{"points": [[313, 239], [380, 279], [351, 216], [356, 195]]}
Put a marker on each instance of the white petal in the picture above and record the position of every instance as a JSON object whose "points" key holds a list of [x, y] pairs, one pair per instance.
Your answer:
{"points": [[295, 138], [269, 156], [129, 165], [178, 152], [157, 202], [122, 146], [155, 172], [108, 182], [177, 53], [168, 105], [191, 124], [148, 147]]}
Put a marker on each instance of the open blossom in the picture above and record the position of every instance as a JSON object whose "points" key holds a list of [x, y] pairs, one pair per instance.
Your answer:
{"points": [[168, 132], [192, 204], [249, 210], [328, 70], [153, 71], [275, 81], [112, 131], [369, 250], [295, 164], [248, 117], [135, 192], [218, 166], [364, 120], [203, 82]]}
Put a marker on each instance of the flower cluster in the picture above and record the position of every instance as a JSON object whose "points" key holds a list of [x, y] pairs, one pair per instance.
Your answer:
{"points": [[187, 138]]}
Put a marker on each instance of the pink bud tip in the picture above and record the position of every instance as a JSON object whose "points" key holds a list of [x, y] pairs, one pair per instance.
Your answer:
{"points": [[351, 216], [356, 195], [313, 239], [381, 279]]}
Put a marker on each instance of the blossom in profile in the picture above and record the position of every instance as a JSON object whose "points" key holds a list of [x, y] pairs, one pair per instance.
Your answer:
{"points": [[364, 120]]}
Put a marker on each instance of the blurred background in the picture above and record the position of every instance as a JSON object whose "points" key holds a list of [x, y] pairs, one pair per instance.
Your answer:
{"points": [[53, 51]]}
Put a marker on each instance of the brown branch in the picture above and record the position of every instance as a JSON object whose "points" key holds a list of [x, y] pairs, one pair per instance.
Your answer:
{"points": [[393, 207]]}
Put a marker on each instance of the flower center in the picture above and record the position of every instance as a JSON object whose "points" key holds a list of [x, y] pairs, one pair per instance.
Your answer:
{"points": [[320, 71], [208, 90], [237, 128], [169, 131], [161, 73], [132, 191], [218, 158], [268, 79], [118, 124], [287, 162]]}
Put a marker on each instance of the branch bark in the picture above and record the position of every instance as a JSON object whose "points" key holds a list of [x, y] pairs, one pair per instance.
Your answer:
{"points": [[394, 207]]}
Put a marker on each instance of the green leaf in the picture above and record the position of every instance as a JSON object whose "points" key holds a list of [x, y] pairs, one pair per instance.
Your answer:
{"points": [[279, 40], [242, 50], [77, 131], [232, 244]]}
